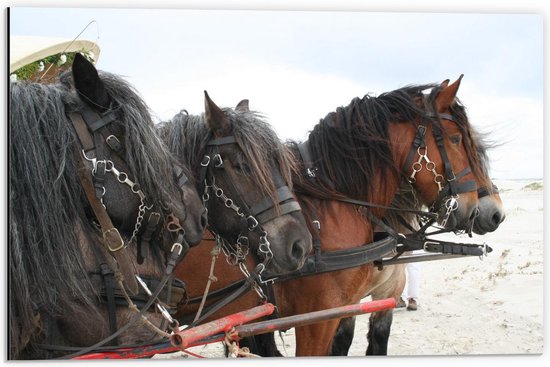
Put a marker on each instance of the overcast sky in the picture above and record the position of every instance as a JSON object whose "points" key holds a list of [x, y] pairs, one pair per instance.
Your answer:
{"points": [[296, 66]]}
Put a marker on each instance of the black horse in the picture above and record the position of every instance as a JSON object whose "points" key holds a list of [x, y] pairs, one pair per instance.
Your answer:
{"points": [[245, 177], [84, 153]]}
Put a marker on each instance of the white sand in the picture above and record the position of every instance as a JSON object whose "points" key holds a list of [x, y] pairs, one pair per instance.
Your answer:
{"points": [[468, 306]]}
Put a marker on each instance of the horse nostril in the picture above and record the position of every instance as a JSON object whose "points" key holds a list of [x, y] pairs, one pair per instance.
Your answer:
{"points": [[497, 218], [298, 250], [204, 219]]}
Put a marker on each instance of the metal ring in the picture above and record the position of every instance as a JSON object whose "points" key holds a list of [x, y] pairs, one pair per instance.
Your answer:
{"points": [[122, 174], [205, 161]]}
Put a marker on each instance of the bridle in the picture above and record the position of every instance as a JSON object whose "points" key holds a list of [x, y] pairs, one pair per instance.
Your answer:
{"points": [[91, 127], [449, 187], [252, 216]]}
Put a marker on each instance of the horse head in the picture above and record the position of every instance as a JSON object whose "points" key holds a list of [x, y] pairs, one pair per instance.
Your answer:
{"points": [[145, 191], [248, 180], [439, 163]]}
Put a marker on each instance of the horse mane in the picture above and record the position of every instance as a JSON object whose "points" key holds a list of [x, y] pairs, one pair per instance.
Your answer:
{"points": [[46, 267], [187, 135], [351, 145], [47, 203]]}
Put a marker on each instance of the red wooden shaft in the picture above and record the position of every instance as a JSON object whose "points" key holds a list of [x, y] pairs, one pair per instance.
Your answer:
{"points": [[312, 317], [184, 338]]}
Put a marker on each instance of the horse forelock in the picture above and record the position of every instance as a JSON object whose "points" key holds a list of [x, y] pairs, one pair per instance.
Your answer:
{"points": [[475, 143], [187, 135], [262, 149]]}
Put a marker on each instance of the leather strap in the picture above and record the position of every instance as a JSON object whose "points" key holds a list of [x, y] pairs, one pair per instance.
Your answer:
{"points": [[107, 275], [341, 259], [111, 237], [145, 238], [310, 169]]}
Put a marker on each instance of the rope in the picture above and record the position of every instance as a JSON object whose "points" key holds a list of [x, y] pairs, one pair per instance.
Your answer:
{"points": [[211, 278], [144, 320], [234, 351]]}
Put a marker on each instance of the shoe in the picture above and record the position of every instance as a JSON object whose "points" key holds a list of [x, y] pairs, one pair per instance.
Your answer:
{"points": [[401, 303], [412, 306]]}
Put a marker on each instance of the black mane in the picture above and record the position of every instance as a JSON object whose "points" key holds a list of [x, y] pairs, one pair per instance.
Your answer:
{"points": [[186, 137], [351, 145], [47, 206]]}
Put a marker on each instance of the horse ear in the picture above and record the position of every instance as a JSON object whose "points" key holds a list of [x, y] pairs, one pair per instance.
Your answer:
{"points": [[88, 84], [215, 118], [242, 106], [447, 95]]}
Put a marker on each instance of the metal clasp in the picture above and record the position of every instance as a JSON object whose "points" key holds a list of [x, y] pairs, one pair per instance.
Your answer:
{"points": [[205, 161], [429, 243], [177, 244], [118, 236]]}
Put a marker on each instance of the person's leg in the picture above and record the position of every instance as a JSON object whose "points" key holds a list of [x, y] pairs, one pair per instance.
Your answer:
{"points": [[413, 284]]}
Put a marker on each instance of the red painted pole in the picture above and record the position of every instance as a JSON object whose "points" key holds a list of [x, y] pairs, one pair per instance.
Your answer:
{"points": [[311, 318], [184, 338]]}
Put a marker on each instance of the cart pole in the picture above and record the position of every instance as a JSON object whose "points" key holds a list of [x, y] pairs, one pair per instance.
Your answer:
{"points": [[184, 338], [267, 326]]}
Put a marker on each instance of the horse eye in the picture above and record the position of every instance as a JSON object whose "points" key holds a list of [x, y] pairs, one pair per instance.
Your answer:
{"points": [[456, 139], [243, 168]]}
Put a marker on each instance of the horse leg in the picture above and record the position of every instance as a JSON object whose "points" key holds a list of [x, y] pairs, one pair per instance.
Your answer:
{"points": [[343, 338], [379, 332], [315, 339]]}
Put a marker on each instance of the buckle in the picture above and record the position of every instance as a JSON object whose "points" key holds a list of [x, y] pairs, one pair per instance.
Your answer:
{"points": [[252, 222], [109, 240], [311, 172], [427, 243], [114, 143], [177, 244]]}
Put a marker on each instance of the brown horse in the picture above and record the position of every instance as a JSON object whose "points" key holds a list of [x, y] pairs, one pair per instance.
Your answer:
{"points": [[346, 223], [389, 281], [66, 182], [313, 340], [251, 171]]}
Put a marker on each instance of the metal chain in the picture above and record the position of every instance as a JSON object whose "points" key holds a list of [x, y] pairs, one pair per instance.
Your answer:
{"points": [[237, 254], [430, 166], [123, 178], [451, 204]]}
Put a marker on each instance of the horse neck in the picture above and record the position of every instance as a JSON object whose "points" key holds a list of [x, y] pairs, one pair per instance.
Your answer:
{"points": [[343, 225]]}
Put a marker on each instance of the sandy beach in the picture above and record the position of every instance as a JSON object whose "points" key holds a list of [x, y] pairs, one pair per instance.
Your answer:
{"points": [[469, 306]]}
